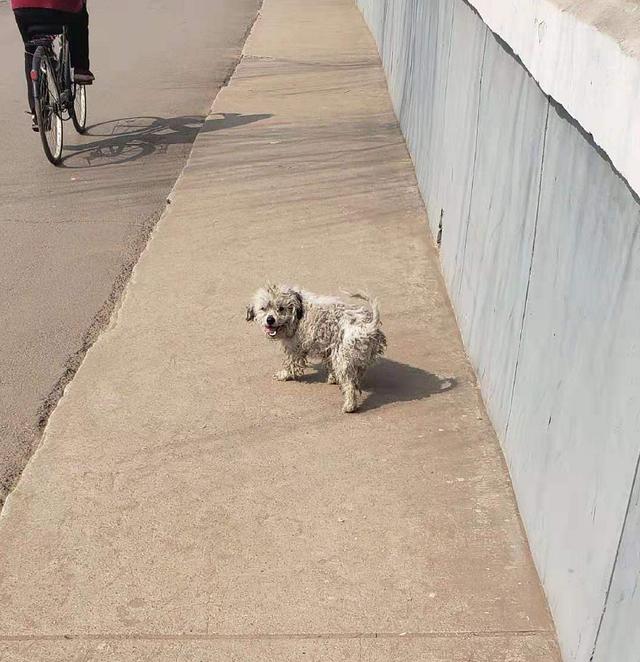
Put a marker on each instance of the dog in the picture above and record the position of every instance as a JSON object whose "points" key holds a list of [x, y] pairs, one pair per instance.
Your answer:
{"points": [[345, 337]]}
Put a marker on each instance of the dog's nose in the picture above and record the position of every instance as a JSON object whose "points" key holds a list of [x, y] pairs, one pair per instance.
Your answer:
{"points": [[271, 320]]}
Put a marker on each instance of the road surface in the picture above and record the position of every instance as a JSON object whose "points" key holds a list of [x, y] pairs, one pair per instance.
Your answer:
{"points": [[69, 236]]}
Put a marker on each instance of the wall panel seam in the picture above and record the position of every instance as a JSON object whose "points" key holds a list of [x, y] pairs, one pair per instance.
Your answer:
{"points": [[473, 167], [526, 295], [615, 560]]}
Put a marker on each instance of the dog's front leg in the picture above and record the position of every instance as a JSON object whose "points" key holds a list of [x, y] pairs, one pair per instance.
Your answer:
{"points": [[294, 364]]}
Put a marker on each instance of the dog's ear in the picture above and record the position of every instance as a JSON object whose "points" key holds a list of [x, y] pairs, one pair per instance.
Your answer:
{"points": [[297, 305], [251, 314]]}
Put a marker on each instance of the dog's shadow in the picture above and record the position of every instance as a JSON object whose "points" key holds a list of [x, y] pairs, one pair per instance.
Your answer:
{"points": [[391, 381]]}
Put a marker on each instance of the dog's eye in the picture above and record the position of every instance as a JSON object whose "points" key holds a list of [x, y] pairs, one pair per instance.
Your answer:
{"points": [[281, 309], [263, 309]]}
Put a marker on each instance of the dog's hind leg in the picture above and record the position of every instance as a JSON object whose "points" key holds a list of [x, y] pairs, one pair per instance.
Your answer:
{"points": [[348, 385], [331, 377], [349, 390]]}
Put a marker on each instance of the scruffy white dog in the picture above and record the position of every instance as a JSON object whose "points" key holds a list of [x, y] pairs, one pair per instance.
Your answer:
{"points": [[346, 338]]}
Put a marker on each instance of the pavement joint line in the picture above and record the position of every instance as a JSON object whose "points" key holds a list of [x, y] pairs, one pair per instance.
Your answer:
{"points": [[470, 634]]}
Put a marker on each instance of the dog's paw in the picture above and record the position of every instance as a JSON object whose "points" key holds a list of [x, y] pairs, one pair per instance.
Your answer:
{"points": [[282, 375], [349, 407], [331, 379]]}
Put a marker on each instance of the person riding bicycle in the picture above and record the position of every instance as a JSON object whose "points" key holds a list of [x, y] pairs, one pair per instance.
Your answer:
{"points": [[72, 13]]}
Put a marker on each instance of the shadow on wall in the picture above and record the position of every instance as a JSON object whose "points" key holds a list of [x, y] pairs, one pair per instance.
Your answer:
{"points": [[391, 381], [131, 138]]}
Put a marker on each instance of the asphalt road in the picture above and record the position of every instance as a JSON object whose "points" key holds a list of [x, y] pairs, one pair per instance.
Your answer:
{"points": [[69, 236]]}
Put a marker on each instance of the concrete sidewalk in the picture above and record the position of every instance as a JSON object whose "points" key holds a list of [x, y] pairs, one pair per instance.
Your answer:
{"points": [[185, 506]]}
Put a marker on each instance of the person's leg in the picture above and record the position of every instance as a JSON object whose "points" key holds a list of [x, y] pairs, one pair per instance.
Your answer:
{"points": [[24, 18], [79, 40], [27, 18]]}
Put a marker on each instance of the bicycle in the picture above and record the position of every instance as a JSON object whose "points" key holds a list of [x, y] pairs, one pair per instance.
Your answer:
{"points": [[57, 97]]}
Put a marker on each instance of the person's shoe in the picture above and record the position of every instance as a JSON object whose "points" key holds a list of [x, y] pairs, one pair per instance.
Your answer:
{"points": [[34, 120], [83, 76]]}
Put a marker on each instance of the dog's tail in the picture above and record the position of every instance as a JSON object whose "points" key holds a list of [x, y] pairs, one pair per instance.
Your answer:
{"points": [[373, 304]]}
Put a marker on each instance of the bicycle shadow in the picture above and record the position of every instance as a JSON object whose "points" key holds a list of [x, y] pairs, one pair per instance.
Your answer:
{"points": [[129, 139], [391, 381]]}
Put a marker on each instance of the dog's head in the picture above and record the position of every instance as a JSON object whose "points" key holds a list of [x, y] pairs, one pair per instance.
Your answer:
{"points": [[277, 309]]}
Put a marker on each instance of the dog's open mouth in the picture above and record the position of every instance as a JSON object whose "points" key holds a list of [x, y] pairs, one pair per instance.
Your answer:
{"points": [[271, 331]]}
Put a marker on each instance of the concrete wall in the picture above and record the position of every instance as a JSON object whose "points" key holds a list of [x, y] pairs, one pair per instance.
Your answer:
{"points": [[540, 253]]}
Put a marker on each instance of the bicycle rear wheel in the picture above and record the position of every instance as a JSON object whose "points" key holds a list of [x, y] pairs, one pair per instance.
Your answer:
{"points": [[47, 109], [79, 114]]}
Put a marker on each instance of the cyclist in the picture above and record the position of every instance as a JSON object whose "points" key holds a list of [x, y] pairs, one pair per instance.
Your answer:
{"points": [[73, 14]]}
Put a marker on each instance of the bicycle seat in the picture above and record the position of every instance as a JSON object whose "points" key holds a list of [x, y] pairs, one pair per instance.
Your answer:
{"points": [[40, 35]]}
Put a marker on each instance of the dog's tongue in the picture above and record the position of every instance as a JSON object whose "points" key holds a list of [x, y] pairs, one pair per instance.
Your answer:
{"points": [[270, 331]]}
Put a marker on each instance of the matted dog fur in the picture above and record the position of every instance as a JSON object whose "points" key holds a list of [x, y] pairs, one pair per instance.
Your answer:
{"points": [[345, 337]]}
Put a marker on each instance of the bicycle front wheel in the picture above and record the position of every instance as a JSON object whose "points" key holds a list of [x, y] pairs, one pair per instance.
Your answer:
{"points": [[47, 111], [79, 114]]}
